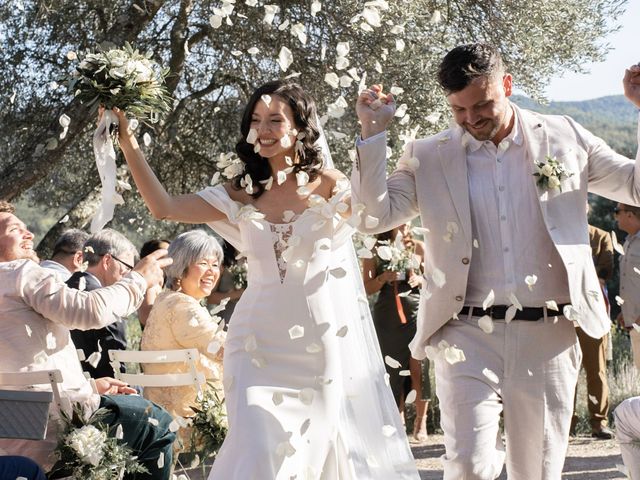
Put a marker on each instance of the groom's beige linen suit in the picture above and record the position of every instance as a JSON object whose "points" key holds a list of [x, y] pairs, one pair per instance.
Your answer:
{"points": [[537, 359]]}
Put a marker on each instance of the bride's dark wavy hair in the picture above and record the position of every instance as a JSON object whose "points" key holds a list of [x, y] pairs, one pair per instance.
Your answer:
{"points": [[306, 121]]}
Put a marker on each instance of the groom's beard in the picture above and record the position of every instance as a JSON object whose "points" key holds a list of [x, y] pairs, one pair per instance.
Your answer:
{"points": [[24, 254]]}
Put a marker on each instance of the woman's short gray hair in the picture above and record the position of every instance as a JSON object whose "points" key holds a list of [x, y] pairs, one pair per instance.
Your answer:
{"points": [[188, 248]]}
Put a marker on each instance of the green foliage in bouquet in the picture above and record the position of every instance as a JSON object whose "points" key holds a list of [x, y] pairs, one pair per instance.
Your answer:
{"points": [[209, 425], [85, 450], [395, 257], [122, 78]]}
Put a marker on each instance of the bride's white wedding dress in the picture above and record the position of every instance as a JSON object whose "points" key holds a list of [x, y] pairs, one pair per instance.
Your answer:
{"points": [[304, 381]]}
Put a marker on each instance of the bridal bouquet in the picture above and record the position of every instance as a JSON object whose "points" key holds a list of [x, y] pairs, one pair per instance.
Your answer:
{"points": [[239, 273], [396, 256], [122, 78], [209, 425], [85, 450]]}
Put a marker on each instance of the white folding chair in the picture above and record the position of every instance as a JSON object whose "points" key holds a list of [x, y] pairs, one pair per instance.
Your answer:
{"points": [[25, 413], [188, 356]]}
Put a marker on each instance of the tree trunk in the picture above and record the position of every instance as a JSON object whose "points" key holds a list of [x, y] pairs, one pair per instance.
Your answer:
{"points": [[44, 150]]}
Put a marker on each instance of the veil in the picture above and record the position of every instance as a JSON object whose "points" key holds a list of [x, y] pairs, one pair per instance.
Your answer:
{"points": [[373, 433]]}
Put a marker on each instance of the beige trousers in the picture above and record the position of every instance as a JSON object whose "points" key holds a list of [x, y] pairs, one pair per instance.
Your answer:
{"points": [[525, 370], [627, 416]]}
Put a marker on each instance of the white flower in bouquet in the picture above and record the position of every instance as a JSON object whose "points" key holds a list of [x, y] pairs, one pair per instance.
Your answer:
{"points": [[123, 78], [550, 173], [88, 442]]}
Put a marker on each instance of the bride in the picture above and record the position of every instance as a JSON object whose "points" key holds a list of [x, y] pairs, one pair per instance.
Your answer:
{"points": [[305, 388]]}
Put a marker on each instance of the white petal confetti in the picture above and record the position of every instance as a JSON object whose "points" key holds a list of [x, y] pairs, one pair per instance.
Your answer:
{"points": [[28, 329], [593, 399], [277, 398], [338, 272], [285, 58], [250, 343], [616, 246], [266, 99], [619, 300], [530, 280], [453, 355], [392, 362], [153, 421], [306, 396], [297, 331], [305, 426], [285, 449], [51, 341], [371, 222], [161, 460], [119, 432], [552, 305], [388, 430], [411, 397], [94, 359], [438, 277], [486, 324], [490, 374], [404, 373], [342, 331], [252, 136], [487, 302], [314, 348], [174, 426], [281, 177]]}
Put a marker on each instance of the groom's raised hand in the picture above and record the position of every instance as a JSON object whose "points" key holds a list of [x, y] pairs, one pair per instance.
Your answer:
{"points": [[375, 110], [631, 83]]}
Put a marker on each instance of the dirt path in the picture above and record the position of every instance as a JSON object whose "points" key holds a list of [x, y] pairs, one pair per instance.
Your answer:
{"points": [[587, 459]]}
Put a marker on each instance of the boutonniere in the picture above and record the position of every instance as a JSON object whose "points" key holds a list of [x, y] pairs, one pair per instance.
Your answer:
{"points": [[550, 173]]}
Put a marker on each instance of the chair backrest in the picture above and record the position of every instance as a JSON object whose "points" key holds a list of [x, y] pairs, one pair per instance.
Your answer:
{"points": [[188, 356], [24, 413]]}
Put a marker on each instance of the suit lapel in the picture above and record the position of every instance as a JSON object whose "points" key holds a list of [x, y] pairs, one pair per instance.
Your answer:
{"points": [[536, 142], [453, 158]]}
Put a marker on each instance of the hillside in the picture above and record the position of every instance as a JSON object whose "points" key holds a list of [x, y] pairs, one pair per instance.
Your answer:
{"points": [[612, 118]]}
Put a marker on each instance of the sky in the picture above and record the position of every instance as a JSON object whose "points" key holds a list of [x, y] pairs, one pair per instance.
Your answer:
{"points": [[604, 78]]}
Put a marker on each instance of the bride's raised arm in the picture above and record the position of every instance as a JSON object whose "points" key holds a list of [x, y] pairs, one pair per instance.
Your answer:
{"points": [[186, 208]]}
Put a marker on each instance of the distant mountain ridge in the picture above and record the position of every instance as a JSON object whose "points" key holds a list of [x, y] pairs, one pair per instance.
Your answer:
{"points": [[612, 118]]}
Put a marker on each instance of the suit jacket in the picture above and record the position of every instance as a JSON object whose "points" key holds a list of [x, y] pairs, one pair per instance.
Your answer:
{"points": [[436, 188], [630, 280], [111, 337], [602, 252]]}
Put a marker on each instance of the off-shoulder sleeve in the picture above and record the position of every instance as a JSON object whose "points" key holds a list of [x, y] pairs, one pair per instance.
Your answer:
{"points": [[228, 229]]}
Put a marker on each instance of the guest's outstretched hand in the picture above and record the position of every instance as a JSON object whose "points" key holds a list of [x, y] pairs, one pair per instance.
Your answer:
{"points": [[150, 267], [631, 84], [375, 110]]}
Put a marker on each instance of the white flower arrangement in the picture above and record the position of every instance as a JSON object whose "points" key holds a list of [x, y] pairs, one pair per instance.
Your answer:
{"points": [[122, 78], [85, 449], [550, 174]]}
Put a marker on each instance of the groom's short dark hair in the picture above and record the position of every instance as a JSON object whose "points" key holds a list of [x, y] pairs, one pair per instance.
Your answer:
{"points": [[465, 63]]}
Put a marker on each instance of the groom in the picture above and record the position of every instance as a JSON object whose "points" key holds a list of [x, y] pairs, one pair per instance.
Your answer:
{"points": [[499, 237]]}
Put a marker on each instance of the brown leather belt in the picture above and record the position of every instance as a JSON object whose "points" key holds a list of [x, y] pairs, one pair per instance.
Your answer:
{"points": [[498, 312]]}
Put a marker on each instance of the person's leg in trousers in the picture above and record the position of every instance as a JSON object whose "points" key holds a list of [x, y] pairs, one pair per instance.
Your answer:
{"points": [[147, 439], [13, 467], [594, 361]]}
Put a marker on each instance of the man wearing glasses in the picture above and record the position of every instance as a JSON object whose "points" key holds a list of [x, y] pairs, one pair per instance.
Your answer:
{"points": [[109, 256], [628, 219]]}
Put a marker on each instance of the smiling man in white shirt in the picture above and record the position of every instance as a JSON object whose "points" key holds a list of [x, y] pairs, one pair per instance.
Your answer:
{"points": [[508, 263]]}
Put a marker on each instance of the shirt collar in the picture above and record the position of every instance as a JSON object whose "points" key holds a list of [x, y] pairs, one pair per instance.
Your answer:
{"points": [[515, 135]]}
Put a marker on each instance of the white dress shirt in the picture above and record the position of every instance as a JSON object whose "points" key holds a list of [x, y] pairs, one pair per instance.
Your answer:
{"points": [[512, 238], [60, 270]]}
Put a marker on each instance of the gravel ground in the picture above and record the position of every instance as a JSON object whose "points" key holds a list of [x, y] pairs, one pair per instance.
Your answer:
{"points": [[587, 459]]}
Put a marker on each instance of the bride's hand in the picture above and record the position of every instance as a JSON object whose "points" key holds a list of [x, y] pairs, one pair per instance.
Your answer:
{"points": [[123, 122]]}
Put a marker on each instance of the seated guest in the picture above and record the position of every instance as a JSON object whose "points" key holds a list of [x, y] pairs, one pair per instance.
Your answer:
{"points": [[67, 255], [109, 256], [36, 313], [152, 293], [178, 320]]}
